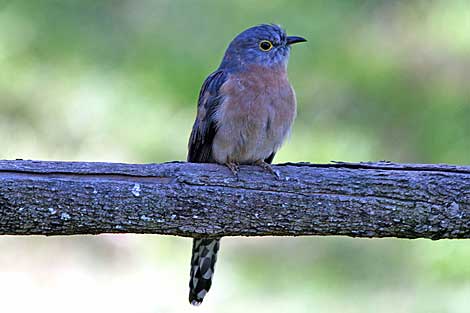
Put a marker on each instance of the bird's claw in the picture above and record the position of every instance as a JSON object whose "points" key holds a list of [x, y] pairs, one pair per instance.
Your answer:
{"points": [[268, 168], [233, 167]]}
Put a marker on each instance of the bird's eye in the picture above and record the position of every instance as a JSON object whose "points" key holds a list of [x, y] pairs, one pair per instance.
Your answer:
{"points": [[265, 45]]}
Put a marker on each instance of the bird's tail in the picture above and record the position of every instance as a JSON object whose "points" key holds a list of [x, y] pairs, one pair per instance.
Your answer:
{"points": [[202, 268]]}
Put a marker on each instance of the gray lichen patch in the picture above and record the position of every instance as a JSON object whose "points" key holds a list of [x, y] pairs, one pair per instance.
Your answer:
{"points": [[136, 190], [145, 218], [65, 216]]}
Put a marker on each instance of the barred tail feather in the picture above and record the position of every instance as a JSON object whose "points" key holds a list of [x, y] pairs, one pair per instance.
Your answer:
{"points": [[202, 268]]}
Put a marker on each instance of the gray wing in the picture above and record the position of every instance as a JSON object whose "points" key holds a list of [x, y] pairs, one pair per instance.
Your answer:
{"points": [[270, 158], [205, 127]]}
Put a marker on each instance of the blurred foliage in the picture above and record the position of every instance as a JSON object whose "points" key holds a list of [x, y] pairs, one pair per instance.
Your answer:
{"points": [[118, 81]]}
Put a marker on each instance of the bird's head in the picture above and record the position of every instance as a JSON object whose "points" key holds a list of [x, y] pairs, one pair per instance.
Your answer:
{"points": [[266, 45]]}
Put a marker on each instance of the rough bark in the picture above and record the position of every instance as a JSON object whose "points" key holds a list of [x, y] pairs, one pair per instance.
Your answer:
{"points": [[354, 199]]}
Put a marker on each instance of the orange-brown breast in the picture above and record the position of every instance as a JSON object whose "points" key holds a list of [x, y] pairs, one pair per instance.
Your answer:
{"points": [[255, 116]]}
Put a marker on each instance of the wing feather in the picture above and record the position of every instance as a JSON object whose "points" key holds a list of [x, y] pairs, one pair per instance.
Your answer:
{"points": [[270, 158], [205, 126]]}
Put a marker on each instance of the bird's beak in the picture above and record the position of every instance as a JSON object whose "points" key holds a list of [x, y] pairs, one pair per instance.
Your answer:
{"points": [[294, 39]]}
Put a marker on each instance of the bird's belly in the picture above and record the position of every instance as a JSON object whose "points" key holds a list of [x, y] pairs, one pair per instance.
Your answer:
{"points": [[254, 117], [250, 134]]}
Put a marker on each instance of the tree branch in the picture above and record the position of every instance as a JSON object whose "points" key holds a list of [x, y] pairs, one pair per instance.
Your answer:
{"points": [[354, 199]]}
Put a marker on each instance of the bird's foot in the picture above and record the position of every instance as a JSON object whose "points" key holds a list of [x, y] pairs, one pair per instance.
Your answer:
{"points": [[268, 168], [233, 167]]}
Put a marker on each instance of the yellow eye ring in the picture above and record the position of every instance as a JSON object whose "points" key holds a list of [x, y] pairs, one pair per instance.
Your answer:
{"points": [[265, 45]]}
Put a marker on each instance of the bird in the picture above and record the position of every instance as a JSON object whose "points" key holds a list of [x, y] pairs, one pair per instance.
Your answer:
{"points": [[245, 112]]}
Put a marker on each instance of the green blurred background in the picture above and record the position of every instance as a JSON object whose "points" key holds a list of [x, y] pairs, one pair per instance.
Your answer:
{"points": [[118, 81]]}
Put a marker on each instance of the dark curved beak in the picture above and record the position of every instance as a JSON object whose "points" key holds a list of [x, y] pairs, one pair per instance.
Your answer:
{"points": [[295, 39]]}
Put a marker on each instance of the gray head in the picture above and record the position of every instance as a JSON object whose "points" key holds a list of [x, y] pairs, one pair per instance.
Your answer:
{"points": [[265, 45]]}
